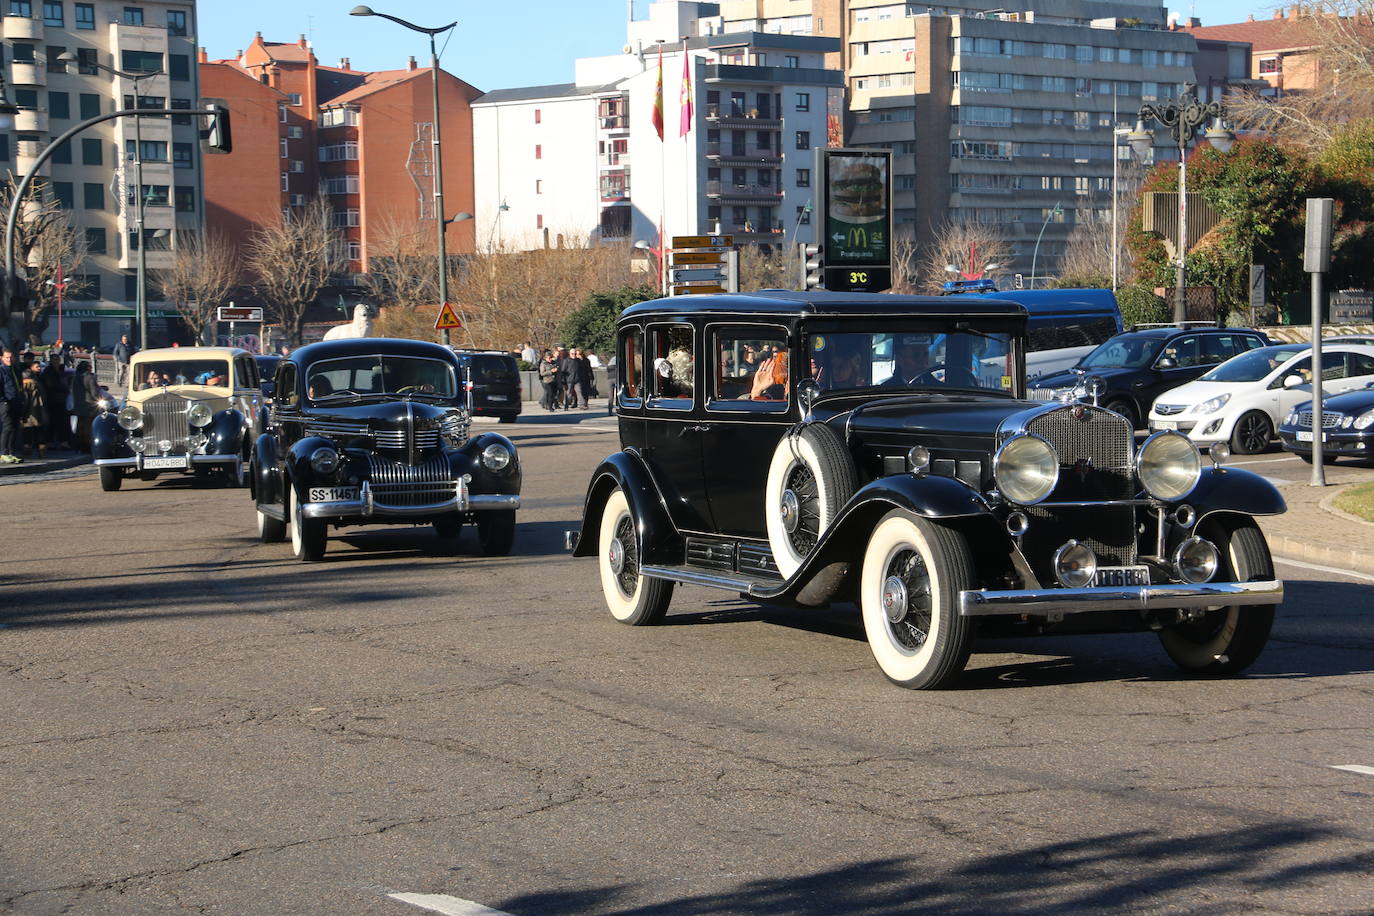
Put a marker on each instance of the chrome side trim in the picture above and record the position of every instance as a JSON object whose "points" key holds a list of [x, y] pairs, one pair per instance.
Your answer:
{"points": [[692, 577], [115, 462], [1116, 598], [215, 459], [369, 508]]}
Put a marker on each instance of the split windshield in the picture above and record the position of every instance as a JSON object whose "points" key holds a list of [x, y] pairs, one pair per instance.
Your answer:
{"points": [[366, 376], [156, 373], [963, 358]]}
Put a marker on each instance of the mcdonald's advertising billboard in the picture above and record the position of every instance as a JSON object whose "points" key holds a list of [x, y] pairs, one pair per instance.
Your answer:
{"points": [[856, 218]]}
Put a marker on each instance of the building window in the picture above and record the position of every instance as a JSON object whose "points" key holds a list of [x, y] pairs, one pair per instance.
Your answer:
{"points": [[185, 199], [22, 8], [95, 241], [179, 67], [62, 155], [133, 15], [297, 166], [536, 116], [906, 183], [55, 65], [183, 104], [295, 133], [90, 105], [539, 221], [538, 186], [285, 153], [182, 155], [804, 215], [85, 61], [1270, 65], [295, 97], [154, 195], [140, 61], [281, 113], [131, 280], [85, 16], [176, 22], [791, 61], [285, 181], [346, 219], [26, 99], [4, 148], [803, 139], [52, 13], [91, 152], [538, 151], [22, 53], [803, 178], [803, 101], [336, 152], [148, 150], [93, 195], [341, 184]]}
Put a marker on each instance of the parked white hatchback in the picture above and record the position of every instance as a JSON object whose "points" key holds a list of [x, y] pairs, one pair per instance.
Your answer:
{"points": [[1242, 401]]}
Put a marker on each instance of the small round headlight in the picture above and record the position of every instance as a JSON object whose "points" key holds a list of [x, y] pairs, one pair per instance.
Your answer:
{"points": [[495, 457], [1196, 560], [918, 460], [1025, 469], [130, 418], [1075, 565], [1168, 465], [324, 460], [199, 415]]}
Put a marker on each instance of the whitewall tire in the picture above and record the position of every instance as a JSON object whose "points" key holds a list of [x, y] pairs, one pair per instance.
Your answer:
{"points": [[631, 598], [810, 479]]}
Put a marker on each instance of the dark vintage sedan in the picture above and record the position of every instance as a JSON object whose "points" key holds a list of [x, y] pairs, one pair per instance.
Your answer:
{"points": [[1347, 427], [812, 448], [367, 431]]}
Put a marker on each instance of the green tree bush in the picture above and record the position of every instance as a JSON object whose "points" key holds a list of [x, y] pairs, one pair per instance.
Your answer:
{"points": [[1141, 306], [592, 325]]}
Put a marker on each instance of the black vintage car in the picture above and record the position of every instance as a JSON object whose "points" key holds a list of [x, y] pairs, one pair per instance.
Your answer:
{"points": [[1347, 427], [811, 448], [367, 431]]}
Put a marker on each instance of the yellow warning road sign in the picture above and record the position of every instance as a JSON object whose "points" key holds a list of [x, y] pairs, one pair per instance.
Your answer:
{"points": [[448, 318]]}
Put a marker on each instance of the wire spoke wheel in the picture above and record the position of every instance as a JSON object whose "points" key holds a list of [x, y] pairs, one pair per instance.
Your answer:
{"points": [[624, 556], [907, 599], [802, 509]]}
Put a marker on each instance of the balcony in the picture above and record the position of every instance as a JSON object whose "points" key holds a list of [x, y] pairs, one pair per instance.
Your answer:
{"points": [[25, 155], [729, 192], [614, 122], [751, 232], [31, 120], [742, 155], [738, 118], [23, 27], [613, 161], [615, 195], [775, 76], [26, 73]]}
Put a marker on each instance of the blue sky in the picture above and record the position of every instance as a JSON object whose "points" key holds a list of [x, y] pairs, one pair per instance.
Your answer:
{"points": [[495, 46]]}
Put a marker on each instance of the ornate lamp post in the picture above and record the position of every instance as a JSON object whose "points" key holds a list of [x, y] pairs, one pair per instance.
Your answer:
{"points": [[1181, 117], [439, 220]]}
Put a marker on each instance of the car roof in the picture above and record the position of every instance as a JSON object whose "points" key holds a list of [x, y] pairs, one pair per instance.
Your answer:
{"points": [[1173, 331], [468, 352], [823, 303], [1063, 301], [364, 346], [189, 353]]}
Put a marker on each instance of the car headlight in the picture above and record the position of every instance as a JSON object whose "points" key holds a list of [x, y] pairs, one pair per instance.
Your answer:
{"points": [[1364, 420], [324, 460], [1212, 405], [130, 418], [1291, 419], [107, 404], [1025, 469], [1168, 465], [495, 457], [199, 415]]}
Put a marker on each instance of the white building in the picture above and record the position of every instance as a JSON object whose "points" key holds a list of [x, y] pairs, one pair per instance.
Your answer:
{"points": [[584, 160]]}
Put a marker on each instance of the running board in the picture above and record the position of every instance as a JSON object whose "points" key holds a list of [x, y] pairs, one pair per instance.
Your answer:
{"points": [[747, 585]]}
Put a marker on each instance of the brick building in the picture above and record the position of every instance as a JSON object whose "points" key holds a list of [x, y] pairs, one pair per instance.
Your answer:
{"points": [[1282, 49], [362, 139]]}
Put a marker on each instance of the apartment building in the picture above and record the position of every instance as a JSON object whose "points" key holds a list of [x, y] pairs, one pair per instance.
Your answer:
{"points": [[1283, 49], [93, 175], [584, 159], [363, 139]]}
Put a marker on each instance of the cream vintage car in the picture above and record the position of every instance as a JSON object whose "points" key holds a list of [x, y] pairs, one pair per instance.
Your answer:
{"points": [[188, 409]]}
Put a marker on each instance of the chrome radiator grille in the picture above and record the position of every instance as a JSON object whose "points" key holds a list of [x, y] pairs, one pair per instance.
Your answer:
{"points": [[399, 485], [1096, 462], [164, 417], [396, 438], [1330, 419], [335, 429]]}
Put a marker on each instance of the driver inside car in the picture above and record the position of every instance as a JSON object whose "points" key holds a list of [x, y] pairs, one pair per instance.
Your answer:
{"points": [[912, 358]]}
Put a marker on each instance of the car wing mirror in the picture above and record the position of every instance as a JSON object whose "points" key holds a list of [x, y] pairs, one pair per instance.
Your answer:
{"points": [[807, 392], [1166, 362], [1292, 381]]}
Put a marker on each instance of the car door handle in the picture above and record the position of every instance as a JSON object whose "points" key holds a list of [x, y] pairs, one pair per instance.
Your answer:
{"points": [[697, 428]]}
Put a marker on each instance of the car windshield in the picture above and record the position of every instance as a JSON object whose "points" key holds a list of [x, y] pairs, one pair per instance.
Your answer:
{"points": [[1250, 367], [159, 372], [1123, 353], [962, 358], [376, 374]]}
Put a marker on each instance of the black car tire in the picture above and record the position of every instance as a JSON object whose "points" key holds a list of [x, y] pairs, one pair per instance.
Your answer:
{"points": [[1227, 640], [816, 469], [1252, 433], [508, 417], [270, 530], [111, 479], [496, 531], [914, 570], [449, 527], [631, 598], [1126, 409], [308, 535], [236, 475]]}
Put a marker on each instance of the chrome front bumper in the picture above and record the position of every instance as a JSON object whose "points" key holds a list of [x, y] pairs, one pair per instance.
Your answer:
{"points": [[368, 507], [136, 461], [1118, 598]]}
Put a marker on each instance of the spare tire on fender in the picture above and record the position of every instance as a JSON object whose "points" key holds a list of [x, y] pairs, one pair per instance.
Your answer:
{"points": [[810, 479]]}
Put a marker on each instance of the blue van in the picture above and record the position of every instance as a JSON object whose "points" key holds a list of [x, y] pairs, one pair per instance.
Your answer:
{"points": [[1064, 324]]}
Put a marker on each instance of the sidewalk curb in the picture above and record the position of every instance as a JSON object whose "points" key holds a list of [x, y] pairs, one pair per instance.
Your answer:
{"points": [[1282, 545], [42, 467], [1328, 503]]}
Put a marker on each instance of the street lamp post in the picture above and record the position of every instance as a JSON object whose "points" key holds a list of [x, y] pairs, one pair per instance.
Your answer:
{"points": [[140, 201], [7, 112], [1182, 117], [439, 221], [1035, 254]]}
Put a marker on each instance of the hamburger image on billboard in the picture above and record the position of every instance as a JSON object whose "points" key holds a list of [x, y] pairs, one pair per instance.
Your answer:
{"points": [[857, 211]]}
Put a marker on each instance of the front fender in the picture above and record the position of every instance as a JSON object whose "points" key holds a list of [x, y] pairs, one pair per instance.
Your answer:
{"points": [[298, 470], [506, 481], [225, 433], [265, 479], [1235, 490], [108, 440], [660, 542]]}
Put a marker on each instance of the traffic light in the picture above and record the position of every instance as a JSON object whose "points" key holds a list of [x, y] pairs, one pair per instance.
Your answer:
{"points": [[813, 261], [1019, 281], [19, 291], [215, 133]]}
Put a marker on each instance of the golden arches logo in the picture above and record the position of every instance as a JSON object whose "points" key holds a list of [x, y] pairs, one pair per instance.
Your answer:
{"points": [[858, 237]]}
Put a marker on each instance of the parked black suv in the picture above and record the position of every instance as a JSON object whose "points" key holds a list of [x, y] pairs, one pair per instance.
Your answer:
{"points": [[1138, 366], [496, 388]]}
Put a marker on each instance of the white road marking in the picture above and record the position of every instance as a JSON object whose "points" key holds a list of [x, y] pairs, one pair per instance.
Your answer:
{"points": [[1259, 461], [450, 906], [1356, 768], [1317, 567]]}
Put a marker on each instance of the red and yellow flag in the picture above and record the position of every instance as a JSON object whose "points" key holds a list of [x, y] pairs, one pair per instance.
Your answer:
{"points": [[685, 95], [658, 97]]}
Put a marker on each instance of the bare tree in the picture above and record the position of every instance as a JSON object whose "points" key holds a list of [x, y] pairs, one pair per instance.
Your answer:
{"points": [[46, 244], [202, 277], [958, 244], [774, 267], [1341, 66], [904, 263], [295, 258], [402, 264]]}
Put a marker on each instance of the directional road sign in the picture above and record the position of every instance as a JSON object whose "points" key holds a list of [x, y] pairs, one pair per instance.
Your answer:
{"points": [[682, 275], [703, 241], [238, 313], [698, 257], [695, 290]]}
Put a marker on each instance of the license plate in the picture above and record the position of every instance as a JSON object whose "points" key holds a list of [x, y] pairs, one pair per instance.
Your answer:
{"points": [[1122, 575], [496, 397], [1165, 424], [171, 461], [1306, 436], [333, 494]]}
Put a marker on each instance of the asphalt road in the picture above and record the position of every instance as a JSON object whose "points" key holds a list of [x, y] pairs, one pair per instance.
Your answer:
{"points": [[194, 721]]}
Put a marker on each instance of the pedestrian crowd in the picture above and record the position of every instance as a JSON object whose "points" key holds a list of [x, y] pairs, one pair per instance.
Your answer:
{"points": [[48, 401], [566, 376]]}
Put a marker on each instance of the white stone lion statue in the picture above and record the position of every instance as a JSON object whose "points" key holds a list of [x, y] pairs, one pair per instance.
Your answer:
{"points": [[360, 326]]}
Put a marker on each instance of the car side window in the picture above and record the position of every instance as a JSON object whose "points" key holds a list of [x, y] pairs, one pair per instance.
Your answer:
{"points": [[1217, 348], [1186, 351], [1250, 342], [673, 379], [287, 393], [630, 365], [1360, 364], [1333, 366], [749, 369]]}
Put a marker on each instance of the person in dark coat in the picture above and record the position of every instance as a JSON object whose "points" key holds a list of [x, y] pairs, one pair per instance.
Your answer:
{"points": [[548, 377], [569, 370], [122, 351], [53, 380], [11, 407], [35, 415], [579, 379], [85, 403]]}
